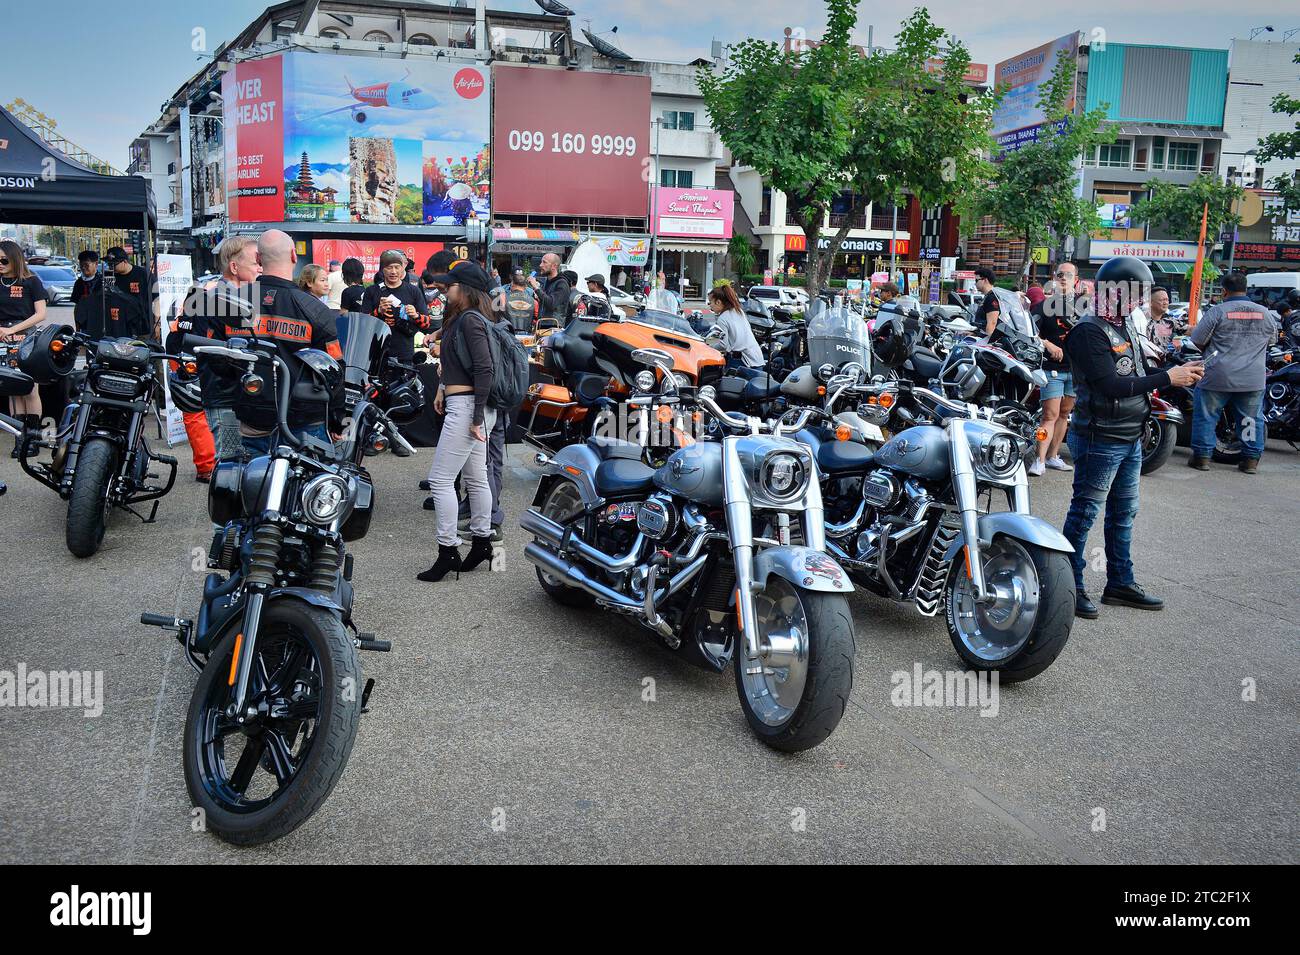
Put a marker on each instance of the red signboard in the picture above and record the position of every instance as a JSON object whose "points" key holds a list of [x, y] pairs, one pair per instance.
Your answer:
{"points": [[570, 143], [369, 250], [253, 99]]}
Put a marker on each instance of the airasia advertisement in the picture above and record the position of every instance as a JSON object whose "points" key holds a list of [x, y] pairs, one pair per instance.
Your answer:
{"points": [[324, 251], [320, 138], [699, 213], [569, 143], [252, 94]]}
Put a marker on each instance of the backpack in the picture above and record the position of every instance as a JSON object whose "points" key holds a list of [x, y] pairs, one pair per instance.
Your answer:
{"points": [[509, 364]]}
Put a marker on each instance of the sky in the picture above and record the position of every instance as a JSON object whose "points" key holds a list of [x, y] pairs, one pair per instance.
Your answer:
{"points": [[103, 71]]}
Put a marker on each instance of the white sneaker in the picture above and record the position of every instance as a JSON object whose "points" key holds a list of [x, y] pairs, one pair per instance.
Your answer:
{"points": [[1056, 464], [1036, 468]]}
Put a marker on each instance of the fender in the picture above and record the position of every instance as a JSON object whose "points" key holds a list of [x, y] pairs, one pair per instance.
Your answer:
{"points": [[1165, 411], [235, 617], [1023, 527], [806, 568], [577, 463]]}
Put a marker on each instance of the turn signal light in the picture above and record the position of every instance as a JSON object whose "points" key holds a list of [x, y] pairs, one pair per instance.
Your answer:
{"points": [[887, 400], [821, 390], [252, 384], [57, 345], [664, 414], [843, 433], [191, 368]]}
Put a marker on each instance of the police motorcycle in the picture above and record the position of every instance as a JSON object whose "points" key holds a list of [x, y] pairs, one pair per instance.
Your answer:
{"points": [[101, 457], [275, 710], [699, 552], [914, 522]]}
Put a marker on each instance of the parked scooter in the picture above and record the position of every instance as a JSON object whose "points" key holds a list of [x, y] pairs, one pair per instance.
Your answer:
{"points": [[699, 552]]}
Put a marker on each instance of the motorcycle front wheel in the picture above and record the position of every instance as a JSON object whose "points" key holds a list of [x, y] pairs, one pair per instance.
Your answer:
{"points": [[794, 699], [1026, 626], [260, 780], [89, 505], [1158, 440]]}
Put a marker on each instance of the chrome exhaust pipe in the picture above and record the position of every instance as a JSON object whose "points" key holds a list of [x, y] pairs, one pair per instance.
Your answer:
{"points": [[553, 535], [573, 576]]}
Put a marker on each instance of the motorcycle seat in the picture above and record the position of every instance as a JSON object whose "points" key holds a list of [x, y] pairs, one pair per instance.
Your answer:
{"points": [[925, 363], [608, 448], [836, 457], [616, 477], [760, 388]]}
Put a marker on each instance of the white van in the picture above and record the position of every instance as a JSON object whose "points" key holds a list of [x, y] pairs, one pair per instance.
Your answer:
{"points": [[781, 295], [1267, 288]]}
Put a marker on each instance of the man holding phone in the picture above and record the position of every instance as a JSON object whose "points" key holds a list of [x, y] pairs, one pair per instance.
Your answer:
{"points": [[1105, 438], [398, 304]]}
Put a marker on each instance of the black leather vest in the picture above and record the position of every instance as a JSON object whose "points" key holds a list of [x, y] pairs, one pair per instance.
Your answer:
{"points": [[1112, 419]]}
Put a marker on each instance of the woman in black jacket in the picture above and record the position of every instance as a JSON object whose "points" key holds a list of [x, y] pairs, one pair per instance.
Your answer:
{"points": [[466, 382]]}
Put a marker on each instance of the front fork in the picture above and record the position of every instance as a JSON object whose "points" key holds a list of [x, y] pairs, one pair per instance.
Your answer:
{"points": [[261, 577], [963, 476]]}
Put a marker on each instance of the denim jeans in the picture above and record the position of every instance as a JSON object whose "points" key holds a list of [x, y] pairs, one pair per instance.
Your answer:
{"points": [[257, 445], [1246, 407], [225, 432], [1105, 473]]}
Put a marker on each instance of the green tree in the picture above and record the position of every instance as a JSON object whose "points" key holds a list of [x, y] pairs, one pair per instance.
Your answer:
{"points": [[1284, 146], [825, 120], [1177, 209], [1031, 191], [741, 254]]}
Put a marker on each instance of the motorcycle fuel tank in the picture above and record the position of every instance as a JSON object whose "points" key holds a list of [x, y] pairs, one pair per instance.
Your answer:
{"points": [[921, 451], [801, 383], [694, 472]]}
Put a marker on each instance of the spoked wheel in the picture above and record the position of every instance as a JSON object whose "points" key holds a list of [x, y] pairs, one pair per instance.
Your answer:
{"points": [[1023, 629], [795, 694], [1158, 440], [260, 779], [562, 504]]}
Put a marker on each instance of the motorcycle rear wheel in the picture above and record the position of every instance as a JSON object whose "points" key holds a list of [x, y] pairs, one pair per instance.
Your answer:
{"points": [[1026, 628], [797, 705], [307, 670], [89, 506]]}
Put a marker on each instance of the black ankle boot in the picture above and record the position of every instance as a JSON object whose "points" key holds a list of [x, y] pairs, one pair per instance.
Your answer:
{"points": [[448, 560], [479, 551]]}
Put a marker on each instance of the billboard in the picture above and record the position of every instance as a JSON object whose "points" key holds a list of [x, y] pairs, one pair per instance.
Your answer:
{"points": [[697, 213], [323, 251], [1017, 118], [570, 143], [324, 138]]}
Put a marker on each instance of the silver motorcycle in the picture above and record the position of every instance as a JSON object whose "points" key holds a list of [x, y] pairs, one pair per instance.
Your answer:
{"points": [[698, 551]]}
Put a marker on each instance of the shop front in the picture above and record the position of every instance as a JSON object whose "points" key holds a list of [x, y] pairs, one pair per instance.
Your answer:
{"points": [[855, 261], [692, 227]]}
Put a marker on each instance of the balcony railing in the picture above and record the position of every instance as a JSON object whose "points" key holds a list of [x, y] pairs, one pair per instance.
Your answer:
{"points": [[1147, 166]]}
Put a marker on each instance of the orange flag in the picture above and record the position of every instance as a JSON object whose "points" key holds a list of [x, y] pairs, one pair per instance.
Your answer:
{"points": [[1194, 305]]}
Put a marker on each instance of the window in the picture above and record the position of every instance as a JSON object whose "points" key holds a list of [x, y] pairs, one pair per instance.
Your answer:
{"points": [[1158, 152], [1115, 154], [422, 39], [1183, 155], [679, 178], [333, 33], [378, 36], [678, 119]]}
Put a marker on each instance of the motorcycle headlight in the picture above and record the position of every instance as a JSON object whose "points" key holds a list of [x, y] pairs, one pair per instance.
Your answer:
{"points": [[999, 456], [707, 392], [824, 372], [326, 498], [783, 476], [645, 380]]}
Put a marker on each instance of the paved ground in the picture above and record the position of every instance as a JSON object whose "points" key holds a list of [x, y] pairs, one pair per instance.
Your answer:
{"points": [[498, 706]]}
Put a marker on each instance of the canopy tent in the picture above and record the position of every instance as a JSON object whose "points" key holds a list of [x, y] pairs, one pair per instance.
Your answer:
{"points": [[41, 186]]}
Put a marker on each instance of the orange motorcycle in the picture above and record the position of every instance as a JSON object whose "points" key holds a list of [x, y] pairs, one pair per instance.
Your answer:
{"points": [[587, 372]]}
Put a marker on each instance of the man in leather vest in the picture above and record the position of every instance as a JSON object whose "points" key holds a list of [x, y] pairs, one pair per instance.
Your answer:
{"points": [[1105, 437]]}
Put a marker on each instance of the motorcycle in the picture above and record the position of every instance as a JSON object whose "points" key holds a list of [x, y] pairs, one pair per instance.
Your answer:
{"points": [[101, 456], [276, 707], [1281, 409], [592, 372], [383, 382], [907, 522], [698, 551]]}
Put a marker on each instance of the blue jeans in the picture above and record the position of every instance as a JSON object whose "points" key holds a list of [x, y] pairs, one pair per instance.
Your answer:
{"points": [[258, 445], [1246, 407], [1105, 472]]}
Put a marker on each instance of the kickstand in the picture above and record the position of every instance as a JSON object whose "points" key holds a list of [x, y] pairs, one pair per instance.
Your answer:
{"points": [[153, 512]]}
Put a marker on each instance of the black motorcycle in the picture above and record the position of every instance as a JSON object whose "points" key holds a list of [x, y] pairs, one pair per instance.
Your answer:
{"points": [[101, 457], [279, 697], [384, 382]]}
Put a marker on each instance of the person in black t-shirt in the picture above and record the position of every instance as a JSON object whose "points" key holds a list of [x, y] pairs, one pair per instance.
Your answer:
{"points": [[22, 309], [399, 304], [354, 286], [1054, 316], [133, 280], [986, 316]]}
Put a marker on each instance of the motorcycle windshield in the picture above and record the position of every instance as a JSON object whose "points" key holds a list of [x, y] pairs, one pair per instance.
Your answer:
{"points": [[837, 336], [362, 338], [661, 299], [668, 321]]}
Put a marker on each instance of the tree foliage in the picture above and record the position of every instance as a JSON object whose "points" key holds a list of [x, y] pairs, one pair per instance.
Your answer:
{"points": [[1177, 209], [1284, 146], [1031, 193], [825, 120]]}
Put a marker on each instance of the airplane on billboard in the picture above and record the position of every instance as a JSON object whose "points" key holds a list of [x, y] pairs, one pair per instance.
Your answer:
{"points": [[397, 95]]}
